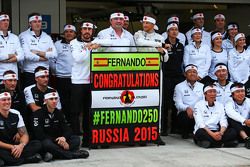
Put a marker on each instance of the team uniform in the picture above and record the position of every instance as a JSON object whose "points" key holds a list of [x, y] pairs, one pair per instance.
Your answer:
{"points": [[48, 126], [217, 57], [213, 118], [206, 37], [62, 67], [201, 57], [237, 114], [108, 37], [9, 45], [239, 65], [223, 92], [8, 129], [31, 42], [80, 89], [186, 95], [227, 45]]}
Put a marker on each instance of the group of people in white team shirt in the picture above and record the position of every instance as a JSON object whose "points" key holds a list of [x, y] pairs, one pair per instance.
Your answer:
{"points": [[203, 82]]}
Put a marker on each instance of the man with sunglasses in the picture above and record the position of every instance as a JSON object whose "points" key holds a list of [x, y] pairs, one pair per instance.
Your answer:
{"points": [[50, 127]]}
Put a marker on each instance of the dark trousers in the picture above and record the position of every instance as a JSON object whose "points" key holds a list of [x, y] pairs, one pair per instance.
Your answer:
{"points": [[63, 86], [238, 127], [186, 125], [57, 151], [80, 103], [28, 79], [202, 135], [29, 150], [169, 84]]}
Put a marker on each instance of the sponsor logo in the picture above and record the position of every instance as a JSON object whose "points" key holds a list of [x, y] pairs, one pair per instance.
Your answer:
{"points": [[127, 98]]}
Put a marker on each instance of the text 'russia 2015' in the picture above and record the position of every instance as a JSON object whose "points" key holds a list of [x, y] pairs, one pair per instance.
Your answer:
{"points": [[125, 98]]}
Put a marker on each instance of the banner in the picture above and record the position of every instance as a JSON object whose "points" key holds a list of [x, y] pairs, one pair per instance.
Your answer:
{"points": [[125, 98]]}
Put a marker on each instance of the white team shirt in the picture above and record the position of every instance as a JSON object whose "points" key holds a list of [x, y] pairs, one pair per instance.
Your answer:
{"points": [[217, 57], [223, 92], [9, 45], [210, 117], [187, 96], [238, 112], [42, 43], [227, 45], [239, 65], [108, 37], [62, 64], [201, 57]]}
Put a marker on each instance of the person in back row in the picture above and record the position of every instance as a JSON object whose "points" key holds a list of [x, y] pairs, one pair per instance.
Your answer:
{"points": [[38, 48]]}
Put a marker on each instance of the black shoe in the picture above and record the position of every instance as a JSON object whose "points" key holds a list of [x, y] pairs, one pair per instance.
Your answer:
{"points": [[247, 142], [33, 159], [143, 144], [105, 146], [80, 154], [204, 144], [160, 142], [1, 163], [233, 143], [48, 157]]}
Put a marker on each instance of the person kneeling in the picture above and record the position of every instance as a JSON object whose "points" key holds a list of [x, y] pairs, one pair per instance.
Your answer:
{"points": [[211, 123], [50, 127]]}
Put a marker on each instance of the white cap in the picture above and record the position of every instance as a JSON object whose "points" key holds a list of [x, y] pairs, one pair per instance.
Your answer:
{"points": [[232, 26], [218, 34], [9, 76], [36, 17], [69, 27], [150, 20], [191, 67], [196, 30], [51, 95], [198, 15], [219, 16], [173, 19], [41, 73], [117, 15], [4, 17], [172, 25], [238, 36], [88, 25], [209, 87], [5, 95], [126, 18]]}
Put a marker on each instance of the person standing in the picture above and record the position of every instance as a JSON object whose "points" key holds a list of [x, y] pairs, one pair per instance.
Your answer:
{"points": [[38, 48], [10, 49]]}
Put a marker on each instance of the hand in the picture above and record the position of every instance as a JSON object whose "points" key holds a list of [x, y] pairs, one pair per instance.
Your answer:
{"points": [[42, 59], [34, 51], [61, 141], [167, 46], [16, 138], [190, 113], [217, 136], [11, 56], [17, 150], [92, 46], [247, 122], [161, 50], [49, 50]]}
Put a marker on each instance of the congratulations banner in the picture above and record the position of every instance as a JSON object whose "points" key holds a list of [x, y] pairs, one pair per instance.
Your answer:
{"points": [[125, 98]]}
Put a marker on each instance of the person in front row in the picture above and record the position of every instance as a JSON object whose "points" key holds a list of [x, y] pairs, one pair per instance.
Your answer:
{"points": [[15, 151], [238, 111], [211, 123], [51, 128]]}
